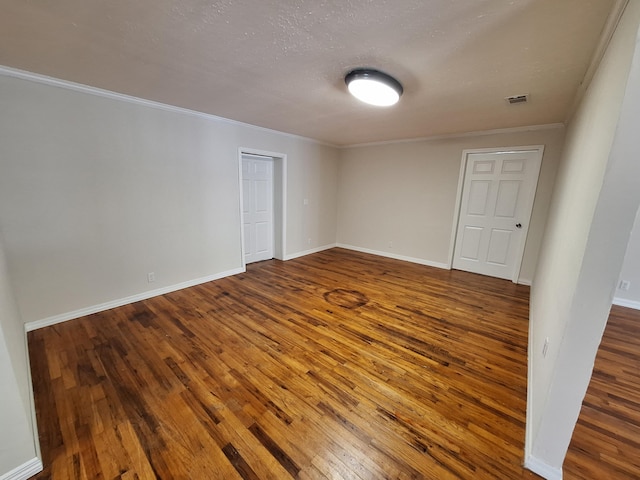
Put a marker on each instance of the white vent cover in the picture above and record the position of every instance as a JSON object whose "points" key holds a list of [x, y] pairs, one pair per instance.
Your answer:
{"points": [[518, 99]]}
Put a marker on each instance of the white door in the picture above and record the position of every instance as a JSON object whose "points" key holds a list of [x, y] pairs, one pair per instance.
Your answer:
{"points": [[257, 206], [497, 199]]}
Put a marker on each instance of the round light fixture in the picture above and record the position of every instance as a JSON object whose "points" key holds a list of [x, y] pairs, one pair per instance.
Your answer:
{"points": [[373, 87]]}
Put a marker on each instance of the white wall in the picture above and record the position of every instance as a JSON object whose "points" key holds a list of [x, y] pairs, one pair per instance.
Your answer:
{"points": [[17, 440], [593, 208], [405, 193], [96, 191], [631, 270]]}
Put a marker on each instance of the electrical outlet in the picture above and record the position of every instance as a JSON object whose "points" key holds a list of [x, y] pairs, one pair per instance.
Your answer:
{"points": [[624, 285], [390, 244], [309, 241], [545, 347], [151, 277]]}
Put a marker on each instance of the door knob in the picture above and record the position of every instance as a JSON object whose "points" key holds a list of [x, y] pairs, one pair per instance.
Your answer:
{"points": [[518, 225]]}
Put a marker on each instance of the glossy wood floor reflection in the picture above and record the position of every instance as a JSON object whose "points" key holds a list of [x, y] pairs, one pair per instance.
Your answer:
{"points": [[338, 365], [606, 440]]}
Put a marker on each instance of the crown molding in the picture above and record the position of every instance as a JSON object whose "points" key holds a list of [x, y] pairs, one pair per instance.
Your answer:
{"points": [[608, 30], [479, 133], [99, 92]]}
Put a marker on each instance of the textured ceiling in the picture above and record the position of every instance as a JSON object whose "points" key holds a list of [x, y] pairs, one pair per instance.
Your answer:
{"points": [[280, 64]]}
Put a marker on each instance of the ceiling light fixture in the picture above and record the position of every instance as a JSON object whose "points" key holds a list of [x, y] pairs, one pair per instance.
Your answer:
{"points": [[373, 87]]}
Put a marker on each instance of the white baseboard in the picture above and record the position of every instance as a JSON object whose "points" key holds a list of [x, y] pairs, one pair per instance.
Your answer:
{"points": [[309, 252], [524, 281], [539, 467], [420, 261], [24, 471], [623, 302], [45, 322]]}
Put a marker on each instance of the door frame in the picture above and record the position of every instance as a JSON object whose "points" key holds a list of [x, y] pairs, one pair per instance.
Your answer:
{"points": [[279, 199], [456, 215]]}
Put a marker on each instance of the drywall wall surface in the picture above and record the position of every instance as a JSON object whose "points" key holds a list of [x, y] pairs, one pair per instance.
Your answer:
{"points": [[583, 248], [629, 296], [96, 192], [399, 198], [312, 197], [17, 440]]}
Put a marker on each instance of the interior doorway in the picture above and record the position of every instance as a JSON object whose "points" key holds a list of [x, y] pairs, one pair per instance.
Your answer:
{"points": [[496, 193], [262, 204], [257, 208]]}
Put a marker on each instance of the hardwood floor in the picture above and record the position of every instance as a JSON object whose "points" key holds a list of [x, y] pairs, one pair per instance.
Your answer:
{"points": [[606, 440], [337, 365]]}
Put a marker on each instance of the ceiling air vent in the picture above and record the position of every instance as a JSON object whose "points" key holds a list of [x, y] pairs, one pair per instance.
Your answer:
{"points": [[518, 99]]}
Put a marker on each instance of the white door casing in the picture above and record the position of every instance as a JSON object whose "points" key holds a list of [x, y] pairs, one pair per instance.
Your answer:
{"points": [[257, 208], [498, 191]]}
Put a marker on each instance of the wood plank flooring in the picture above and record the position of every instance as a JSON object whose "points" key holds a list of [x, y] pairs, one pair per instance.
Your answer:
{"points": [[606, 440], [337, 365]]}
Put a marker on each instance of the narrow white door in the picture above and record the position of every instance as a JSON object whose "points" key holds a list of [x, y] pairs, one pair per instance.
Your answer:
{"points": [[497, 199], [257, 206]]}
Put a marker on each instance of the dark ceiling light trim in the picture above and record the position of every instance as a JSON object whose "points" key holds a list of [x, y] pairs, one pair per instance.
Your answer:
{"points": [[373, 87]]}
